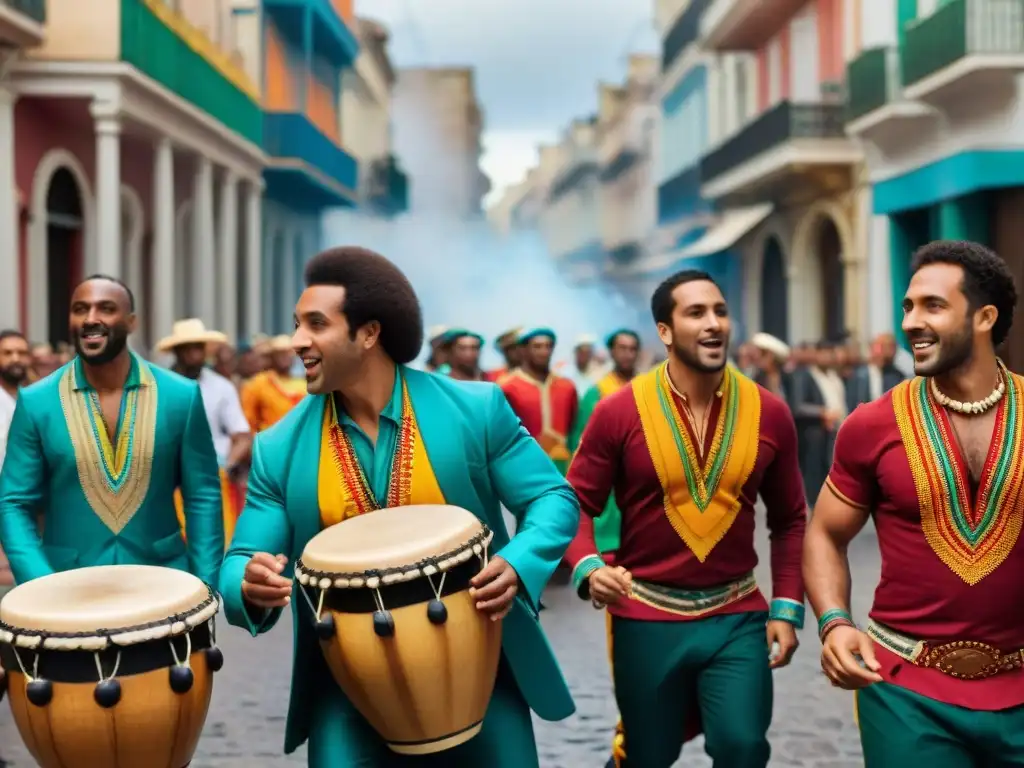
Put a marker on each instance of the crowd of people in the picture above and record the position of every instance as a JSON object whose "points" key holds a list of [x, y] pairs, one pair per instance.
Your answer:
{"points": [[665, 459]]}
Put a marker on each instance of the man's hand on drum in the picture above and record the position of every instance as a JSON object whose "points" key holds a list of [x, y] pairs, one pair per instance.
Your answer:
{"points": [[263, 585], [610, 584], [495, 587]]}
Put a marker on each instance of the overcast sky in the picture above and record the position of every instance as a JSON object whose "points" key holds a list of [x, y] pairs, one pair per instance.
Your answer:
{"points": [[537, 61]]}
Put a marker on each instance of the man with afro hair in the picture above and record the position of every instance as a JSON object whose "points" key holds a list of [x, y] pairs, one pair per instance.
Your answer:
{"points": [[358, 326]]}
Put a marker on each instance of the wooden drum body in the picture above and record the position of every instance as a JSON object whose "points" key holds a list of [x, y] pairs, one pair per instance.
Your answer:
{"points": [[404, 640], [110, 666]]}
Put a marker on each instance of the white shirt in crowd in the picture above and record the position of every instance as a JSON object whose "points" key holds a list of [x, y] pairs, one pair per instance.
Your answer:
{"points": [[6, 414], [223, 411]]}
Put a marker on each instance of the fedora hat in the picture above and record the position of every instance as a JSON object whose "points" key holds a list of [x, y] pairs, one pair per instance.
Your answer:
{"points": [[190, 331]]}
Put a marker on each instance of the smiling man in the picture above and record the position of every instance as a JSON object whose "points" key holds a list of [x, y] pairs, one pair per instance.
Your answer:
{"points": [[99, 446], [358, 326], [938, 463], [686, 448]]}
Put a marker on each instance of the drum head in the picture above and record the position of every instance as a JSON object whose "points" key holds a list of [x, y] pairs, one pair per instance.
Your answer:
{"points": [[390, 538], [106, 597]]}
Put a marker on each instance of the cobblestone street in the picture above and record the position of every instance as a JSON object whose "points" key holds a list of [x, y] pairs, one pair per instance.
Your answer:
{"points": [[813, 723]]}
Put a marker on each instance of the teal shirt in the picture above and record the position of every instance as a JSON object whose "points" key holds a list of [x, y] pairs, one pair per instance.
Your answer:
{"points": [[482, 458], [376, 461], [46, 471]]}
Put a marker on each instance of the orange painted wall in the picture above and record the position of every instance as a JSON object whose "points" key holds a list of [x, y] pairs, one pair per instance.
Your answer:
{"points": [[344, 9], [786, 44], [830, 40], [279, 93], [322, 106], [763, 78]]}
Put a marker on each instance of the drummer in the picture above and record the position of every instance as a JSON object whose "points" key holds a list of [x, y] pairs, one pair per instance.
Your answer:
{"points": [[89, 447], [359, 326]]}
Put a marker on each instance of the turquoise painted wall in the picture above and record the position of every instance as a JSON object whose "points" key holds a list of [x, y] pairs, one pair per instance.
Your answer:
{"points": [[684, 126]]}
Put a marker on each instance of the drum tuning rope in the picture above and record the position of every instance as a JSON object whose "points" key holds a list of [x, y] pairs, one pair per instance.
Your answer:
{"points": [[35, 666], [439, 588], [99, 666], [188, 652]]}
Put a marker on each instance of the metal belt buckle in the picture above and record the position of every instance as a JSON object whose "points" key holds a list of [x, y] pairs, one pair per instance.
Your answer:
{"points": [[969, 660]]}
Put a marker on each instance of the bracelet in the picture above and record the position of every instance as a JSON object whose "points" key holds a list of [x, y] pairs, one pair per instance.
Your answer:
{"points": [[787, 610], [832, 618]]}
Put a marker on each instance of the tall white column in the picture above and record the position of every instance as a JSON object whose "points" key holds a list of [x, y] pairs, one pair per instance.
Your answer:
{"points": [[107, 124], [163, 277], [10, 300], [203, 263], [253, 261], [227, 246]]}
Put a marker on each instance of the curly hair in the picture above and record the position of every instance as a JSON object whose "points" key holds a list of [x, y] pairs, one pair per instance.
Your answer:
{"points": [[987, 279], [375, 290], [662, 303]]}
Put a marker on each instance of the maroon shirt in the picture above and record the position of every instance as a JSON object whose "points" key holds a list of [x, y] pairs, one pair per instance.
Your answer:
{"points": [[918, 594], [613, 456]]}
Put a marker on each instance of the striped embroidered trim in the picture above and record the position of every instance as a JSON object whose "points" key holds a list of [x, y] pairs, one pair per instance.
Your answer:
{"points": [[971, 539], [351, 474], [114, 479], [692, 602]]}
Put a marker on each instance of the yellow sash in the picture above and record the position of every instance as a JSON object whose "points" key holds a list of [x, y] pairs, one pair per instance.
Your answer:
{"points": [[610, 384], [341, 484], [701, 502]]}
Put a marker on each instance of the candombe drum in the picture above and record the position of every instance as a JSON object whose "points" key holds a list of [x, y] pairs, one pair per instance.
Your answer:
{"points": [[111, 666], [389, 592]]}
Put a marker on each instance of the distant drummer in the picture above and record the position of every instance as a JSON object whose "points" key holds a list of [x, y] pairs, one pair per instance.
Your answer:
{"points": [[91, 448], [359, 326]]}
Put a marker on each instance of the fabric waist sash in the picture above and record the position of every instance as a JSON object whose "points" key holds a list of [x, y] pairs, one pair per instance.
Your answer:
{"points": [[692, 602], [962, 659]]}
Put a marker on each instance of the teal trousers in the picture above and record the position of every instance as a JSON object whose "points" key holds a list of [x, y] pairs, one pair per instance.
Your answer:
{"points": [[341, 738], [665, 672], [902, 728]]}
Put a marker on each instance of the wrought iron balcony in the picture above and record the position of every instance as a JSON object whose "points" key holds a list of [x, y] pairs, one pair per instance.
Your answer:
{"points": [[868, 83], [782, 123], [305, 166], [387, 186], [684, 33], [980, 38], [21, 22]]}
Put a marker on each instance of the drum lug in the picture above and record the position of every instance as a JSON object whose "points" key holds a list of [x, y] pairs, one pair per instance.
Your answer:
{"points": [[325, 629], [107, 693], [437, 612], [215, 659], [39, 692], [182, 679], [383, 624]]}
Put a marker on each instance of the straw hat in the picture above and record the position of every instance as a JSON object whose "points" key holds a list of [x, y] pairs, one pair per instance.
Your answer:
{"points": [[771, 344], [190, 331], [282, 343]]}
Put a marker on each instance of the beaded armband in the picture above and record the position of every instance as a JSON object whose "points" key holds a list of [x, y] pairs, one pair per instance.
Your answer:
{"points": [[832, 618], [787, 610], [582, 572]]}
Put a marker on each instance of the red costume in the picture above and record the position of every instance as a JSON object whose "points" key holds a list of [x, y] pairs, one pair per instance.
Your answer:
{"points": [[950, 572], [651, 549], [547, 409]]}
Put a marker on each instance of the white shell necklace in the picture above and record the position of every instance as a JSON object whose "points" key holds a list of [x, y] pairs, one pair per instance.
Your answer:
{"points": [[978, 406]]}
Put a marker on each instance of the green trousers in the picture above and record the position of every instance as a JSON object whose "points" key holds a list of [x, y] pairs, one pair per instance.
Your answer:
{"points": [[902, 728], [341, 738], [718, 665]]}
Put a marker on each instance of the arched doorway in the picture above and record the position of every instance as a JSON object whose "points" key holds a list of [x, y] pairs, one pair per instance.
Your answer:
{"points": [[774, 291], [833, 294], [65, 228]]}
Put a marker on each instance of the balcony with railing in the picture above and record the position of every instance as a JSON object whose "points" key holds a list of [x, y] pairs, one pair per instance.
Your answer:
{"points": [[387, 187], [164, 45], [964, 47], [22, 22], [788, 141], [306, 168], [876, 109], [321, 26], [744, 25], [684, 33], [580, 164]]}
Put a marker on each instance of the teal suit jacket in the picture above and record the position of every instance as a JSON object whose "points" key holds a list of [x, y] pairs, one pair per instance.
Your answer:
{"points": [[42, 472], [482, 458]]}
